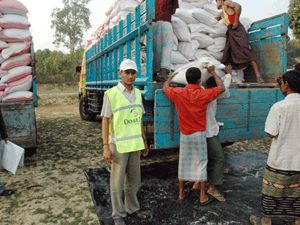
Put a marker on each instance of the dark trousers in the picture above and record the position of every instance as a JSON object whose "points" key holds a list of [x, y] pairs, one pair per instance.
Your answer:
{"points": [[215, 167]]}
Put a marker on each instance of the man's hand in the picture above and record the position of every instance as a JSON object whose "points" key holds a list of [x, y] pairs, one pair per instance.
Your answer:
{"points": [[228, 69], [145, 152], [211, 70], [107, 155], [5, 140], [235, 25]]}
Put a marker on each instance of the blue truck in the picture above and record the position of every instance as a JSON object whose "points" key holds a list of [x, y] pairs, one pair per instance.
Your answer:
{"points": [[243, 114], [20, 120]]}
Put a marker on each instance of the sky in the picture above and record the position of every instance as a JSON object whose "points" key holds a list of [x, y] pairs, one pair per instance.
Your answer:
{"points": [[40, 16]]}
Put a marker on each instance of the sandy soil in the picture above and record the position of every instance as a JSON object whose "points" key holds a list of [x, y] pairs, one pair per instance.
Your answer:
{"points": [[51, 188]]}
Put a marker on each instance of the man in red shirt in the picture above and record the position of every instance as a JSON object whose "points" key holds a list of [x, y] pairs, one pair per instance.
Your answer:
{"points": [[191, 103], [162, 37]]}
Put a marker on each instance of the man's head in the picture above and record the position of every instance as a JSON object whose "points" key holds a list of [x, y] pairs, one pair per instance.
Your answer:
{"points": [[193, 75], [210, 83], [220, 3], [290, 82], [128, 70]]}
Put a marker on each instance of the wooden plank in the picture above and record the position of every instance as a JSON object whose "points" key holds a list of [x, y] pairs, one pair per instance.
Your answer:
{"points": [[269, 22]]}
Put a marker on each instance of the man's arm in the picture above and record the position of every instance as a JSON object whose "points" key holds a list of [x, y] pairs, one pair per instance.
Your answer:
{"points": [[237, 9], [168, 81], [218, 81], [107, 154]]}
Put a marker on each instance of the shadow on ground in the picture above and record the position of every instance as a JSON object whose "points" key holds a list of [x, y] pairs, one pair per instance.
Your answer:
{"points": [[158, 194]]}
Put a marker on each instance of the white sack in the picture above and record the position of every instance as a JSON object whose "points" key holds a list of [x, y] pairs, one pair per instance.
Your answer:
{"points": [[16, 74], [187, 49], [220, 29], [200, 53], [12, 7], [212, 9], [20, 60], [3, 45], [204, 17], [181, 29], [246, 23], [15, 35], [14, 49], [185, 15], [18, 96], [218, 46], [25, 86], [202, 64], [178, 58], [203, 39], [201, 28], [13, 156], [14, 21]]}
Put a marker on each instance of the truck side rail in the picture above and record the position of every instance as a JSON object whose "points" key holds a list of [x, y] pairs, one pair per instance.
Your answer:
{"points": [[268, 37], [131, 38]]}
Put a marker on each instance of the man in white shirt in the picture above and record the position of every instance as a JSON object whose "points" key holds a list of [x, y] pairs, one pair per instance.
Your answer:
{"points": [[281, 182]]}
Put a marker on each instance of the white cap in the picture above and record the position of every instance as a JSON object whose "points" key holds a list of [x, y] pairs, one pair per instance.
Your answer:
{"points": [[128, 64]]}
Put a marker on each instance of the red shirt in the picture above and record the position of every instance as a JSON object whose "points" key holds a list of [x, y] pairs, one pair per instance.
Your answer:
{"points": [[191, 104], [164, 9]]}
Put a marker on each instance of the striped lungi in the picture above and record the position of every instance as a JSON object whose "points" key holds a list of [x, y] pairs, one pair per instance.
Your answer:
{"points": [[281, 193], [193, 157], [162, 45]]}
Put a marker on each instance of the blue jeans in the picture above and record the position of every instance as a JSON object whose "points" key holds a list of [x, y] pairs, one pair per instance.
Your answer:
{"points": [[1, 187]]}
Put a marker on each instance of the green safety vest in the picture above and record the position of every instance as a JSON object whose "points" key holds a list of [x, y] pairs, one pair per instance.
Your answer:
{"points": [[127, 120]]}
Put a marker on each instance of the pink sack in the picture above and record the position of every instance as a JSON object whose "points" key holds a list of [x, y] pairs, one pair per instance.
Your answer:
{"points": [[14, 21], [20, 81], [2, 86], [16, 74], [15, 35], [3, 44], [21, 85], [12, 7], [19, 96], [14, 49], [20, 60], [3, 73]]}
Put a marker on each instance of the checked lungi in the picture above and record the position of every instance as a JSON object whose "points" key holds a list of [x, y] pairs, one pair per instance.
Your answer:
{"points": [[193, 157], [281, 193]]}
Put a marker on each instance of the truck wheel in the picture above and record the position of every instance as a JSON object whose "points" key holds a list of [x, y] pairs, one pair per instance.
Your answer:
{"points": [[85, 114]]}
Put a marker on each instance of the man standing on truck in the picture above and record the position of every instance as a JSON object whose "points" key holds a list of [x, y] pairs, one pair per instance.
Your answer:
{"points": [[162, 38], [3, 131], [281, 180], [191, 105], [237, 51], [123, 139]]}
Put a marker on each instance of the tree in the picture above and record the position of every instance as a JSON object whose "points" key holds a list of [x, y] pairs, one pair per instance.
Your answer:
{"points": [[294, 17], [70, 22]]}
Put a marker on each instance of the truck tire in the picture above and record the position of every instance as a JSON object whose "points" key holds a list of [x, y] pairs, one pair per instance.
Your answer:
{"points": [[85, 114]]}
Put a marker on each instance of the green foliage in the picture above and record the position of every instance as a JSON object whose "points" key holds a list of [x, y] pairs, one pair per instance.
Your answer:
{"points": [[57, 67], [70, 22], [293, 52], [294, 17]]}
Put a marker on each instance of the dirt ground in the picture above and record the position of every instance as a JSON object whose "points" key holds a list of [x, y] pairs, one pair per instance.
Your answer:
{"points": [[52, 188]]}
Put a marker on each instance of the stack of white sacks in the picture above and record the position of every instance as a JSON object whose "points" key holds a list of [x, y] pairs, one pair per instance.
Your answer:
{"points": [[15, 58], [118, 11], [199, 39]]}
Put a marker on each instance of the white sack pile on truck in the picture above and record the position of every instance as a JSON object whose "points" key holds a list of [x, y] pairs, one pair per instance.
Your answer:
{"points": [[15, 58], [198, 41]]}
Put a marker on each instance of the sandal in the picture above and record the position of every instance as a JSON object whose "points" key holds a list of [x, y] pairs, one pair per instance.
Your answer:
{"points": [[210, 199], [217, 195]]}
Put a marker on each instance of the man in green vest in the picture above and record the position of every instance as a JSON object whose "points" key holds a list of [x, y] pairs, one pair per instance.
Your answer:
{"points": [[123, 140]]}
